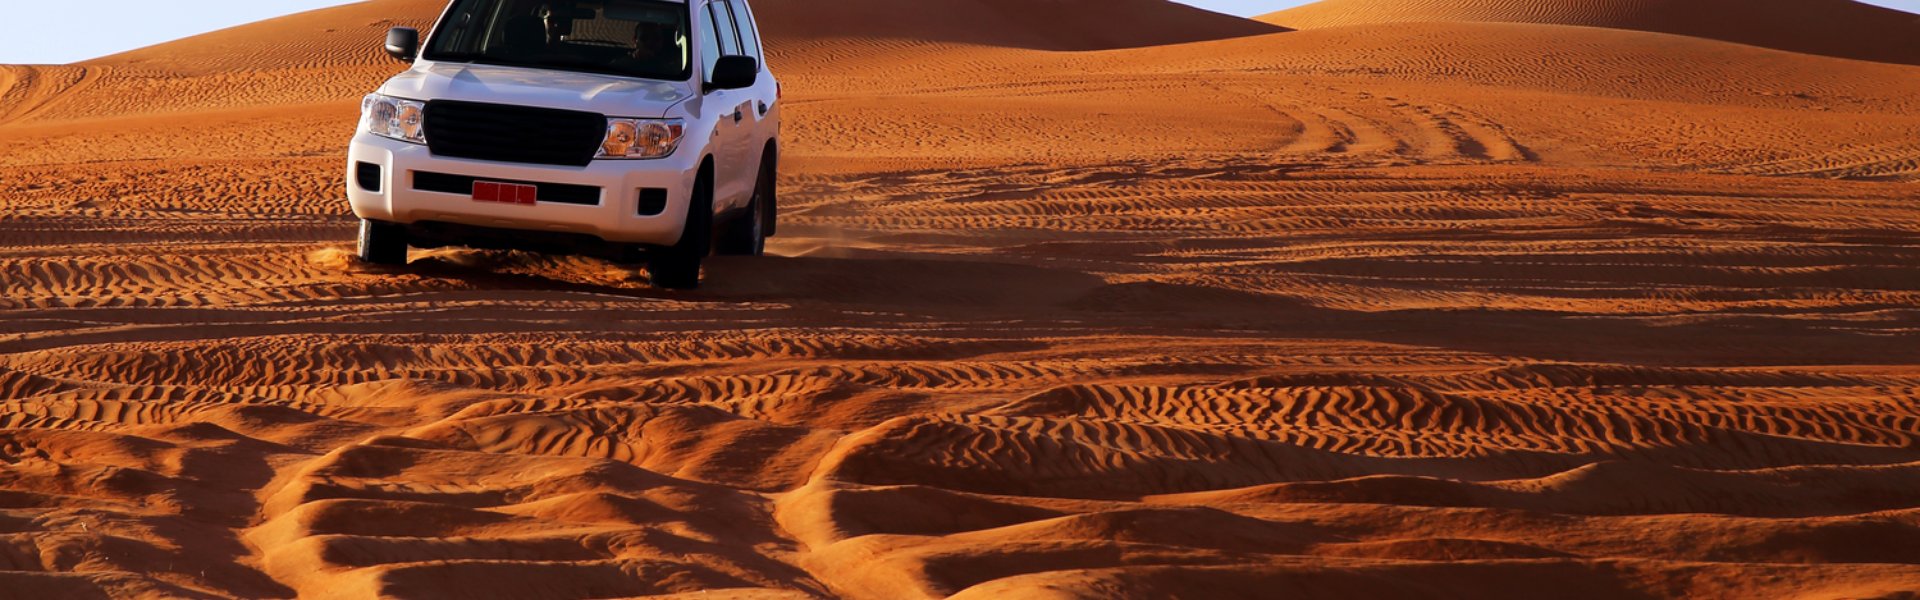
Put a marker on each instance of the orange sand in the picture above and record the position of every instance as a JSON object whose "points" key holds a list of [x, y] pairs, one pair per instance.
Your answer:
{"points": [[1127, 302]]}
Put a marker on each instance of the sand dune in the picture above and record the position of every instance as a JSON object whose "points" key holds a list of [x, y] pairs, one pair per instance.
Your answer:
{"points": [[1842, 28], [1051, 25], [327, 38], [1127, 300]]}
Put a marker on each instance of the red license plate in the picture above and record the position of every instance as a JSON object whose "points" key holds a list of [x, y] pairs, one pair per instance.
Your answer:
{"points": [[509, 193]]}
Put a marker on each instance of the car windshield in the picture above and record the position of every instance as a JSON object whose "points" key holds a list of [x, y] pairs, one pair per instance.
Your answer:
{"points": [[633, 38]]}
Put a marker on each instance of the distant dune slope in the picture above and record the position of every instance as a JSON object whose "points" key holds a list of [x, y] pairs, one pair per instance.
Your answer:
{"points": [[24, 90], [329, 37], [1043, 25], [1831, 27], [332, 54], [343, 35]]}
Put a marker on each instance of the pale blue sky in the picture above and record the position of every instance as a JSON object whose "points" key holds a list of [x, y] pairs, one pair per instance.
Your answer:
{"points": [[38, 31]]}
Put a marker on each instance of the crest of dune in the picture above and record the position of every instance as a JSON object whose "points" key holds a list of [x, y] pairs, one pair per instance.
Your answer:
{"points": [[338, 35], [1842, 28], [1031, 24]]}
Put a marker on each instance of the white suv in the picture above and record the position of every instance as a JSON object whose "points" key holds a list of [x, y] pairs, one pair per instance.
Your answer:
{"points": [[625, 129]]}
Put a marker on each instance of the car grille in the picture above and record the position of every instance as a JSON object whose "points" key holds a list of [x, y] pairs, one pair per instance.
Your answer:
{"points": [[549, 192], [516, 134]]}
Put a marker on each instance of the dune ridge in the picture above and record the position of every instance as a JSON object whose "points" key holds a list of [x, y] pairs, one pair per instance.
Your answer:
{"points": [[1842, 28]]}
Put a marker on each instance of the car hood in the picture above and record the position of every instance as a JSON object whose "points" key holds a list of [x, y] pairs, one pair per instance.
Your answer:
{"points": [[605, 94]]}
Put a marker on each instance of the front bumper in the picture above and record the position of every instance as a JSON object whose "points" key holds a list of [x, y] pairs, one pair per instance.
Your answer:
{"points": [[616, 218]]}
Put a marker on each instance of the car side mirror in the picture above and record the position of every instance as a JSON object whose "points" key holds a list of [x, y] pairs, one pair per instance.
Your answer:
{"points": [[403, 43], [735, 72]]}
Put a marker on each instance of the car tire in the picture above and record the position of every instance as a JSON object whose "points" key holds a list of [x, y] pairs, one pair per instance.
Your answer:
{"points": [[746, 234], [383, 243], [677, 267]]}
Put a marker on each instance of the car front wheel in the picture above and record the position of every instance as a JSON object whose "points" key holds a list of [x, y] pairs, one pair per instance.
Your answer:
{"points": [[677, 267], [383, 243]]}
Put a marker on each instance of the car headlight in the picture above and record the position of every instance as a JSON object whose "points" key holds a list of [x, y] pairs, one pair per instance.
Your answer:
{"points": [[641, 138], [394, 118]]}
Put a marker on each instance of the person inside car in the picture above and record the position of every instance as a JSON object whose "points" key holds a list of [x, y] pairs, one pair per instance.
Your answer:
{"points": [[656, 50], [558, 21], [533, 33]]}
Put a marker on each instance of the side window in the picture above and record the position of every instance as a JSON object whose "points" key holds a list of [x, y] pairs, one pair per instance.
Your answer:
{"points": [[749, 35], [460, 36], [723, 23], [709, 48]]}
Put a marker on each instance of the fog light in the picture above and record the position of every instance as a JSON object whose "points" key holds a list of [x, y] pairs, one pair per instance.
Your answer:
{"points": [[368, 175], [653, 201]]}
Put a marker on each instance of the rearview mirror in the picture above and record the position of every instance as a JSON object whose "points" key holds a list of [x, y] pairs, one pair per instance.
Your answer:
{"points": [[403, 43], [735, 72]]}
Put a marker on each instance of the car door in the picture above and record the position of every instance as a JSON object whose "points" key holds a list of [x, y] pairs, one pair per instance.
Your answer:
{"points": [[765, 92], [733, 176]]}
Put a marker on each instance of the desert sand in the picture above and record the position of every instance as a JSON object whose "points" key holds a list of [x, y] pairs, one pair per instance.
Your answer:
{"points": [[1130, 301]]}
